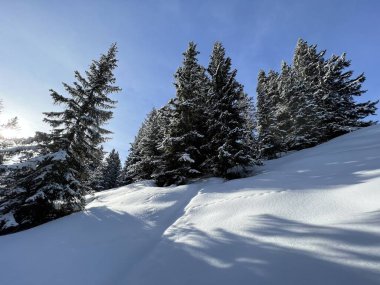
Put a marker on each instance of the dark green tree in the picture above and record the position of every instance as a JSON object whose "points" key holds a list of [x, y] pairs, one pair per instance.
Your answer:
{"points": [[111, 171], [186, 130], [228, 148]]}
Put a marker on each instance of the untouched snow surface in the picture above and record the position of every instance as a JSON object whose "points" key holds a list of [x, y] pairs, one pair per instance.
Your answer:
{"points": [[312, 217]]}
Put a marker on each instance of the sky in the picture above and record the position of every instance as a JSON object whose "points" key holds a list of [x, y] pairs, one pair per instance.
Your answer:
{"points": [[42, 43]]}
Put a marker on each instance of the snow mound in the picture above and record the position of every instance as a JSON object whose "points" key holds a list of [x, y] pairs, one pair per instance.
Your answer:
{"points": [[311, 217]]}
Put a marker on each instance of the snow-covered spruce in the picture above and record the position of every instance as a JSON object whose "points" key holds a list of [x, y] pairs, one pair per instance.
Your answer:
{"points": [[207, 129], [145, 154], [94, 180], [185, 134], [310, 102], [266, 115], [53, 184], [111, 170], [229, 134]]}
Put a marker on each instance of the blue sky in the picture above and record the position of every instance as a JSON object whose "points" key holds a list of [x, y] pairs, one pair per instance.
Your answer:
{"points": [[43, 42]]}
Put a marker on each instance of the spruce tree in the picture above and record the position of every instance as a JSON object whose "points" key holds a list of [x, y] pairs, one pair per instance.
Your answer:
{"points": [[130, 172], [250, 125], [273, 112], [111, 170], [185, 133], [150, 145], [145, 159], [308, 113], [266, 114], [95, 179], [284, 117], [342, 113], [309, 102], [161, 161], [228, 148], [51, 185]]}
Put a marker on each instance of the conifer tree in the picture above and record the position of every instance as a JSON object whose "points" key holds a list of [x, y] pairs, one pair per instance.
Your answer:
{"points": [[314, 102], [284, 119], [228, 147], [161, 161], [150, 145], [51, 185], [342, 113], [185, 133], [308, 113], [145, 159], [131, 171], [266, 124], [111, 170], [140, 162], [95, 177], [250, 124]]}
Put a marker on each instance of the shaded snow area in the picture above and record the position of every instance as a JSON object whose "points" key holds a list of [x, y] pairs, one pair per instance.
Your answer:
{"points": [[312, 217]]}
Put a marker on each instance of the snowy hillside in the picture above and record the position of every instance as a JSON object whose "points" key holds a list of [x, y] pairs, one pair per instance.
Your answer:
{"points": [[311, 217]]}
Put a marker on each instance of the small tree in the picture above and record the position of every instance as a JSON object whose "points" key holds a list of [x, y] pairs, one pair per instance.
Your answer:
{"points": [[95, 179], [111, 170]]}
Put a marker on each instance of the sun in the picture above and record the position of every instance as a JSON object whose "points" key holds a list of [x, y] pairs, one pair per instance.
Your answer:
{"points": [[13, 133], [9, 133], [23, 129]]}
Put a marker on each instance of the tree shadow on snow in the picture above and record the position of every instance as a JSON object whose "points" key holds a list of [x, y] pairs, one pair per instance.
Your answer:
{"points": [[197, 257], [90, 247]]}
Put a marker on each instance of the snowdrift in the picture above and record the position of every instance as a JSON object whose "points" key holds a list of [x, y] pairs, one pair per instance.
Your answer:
{"points": [[311, 217]]}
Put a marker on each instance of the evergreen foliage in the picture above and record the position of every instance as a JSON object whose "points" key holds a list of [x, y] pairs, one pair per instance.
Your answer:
{"points": [[343, 114], [94, 180], [207, 129], [145, 154], [310, 102], [111, 171], [130, 172], [211, 127], [229, 133], [50, 185], [267, 107], [186, 130]]}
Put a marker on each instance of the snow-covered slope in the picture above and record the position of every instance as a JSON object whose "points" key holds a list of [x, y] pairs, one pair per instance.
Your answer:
{"points": [[312, 217]]}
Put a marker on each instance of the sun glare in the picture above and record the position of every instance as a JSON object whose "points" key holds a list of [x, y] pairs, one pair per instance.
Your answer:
{"points": [[13, 133], [9, 133]]}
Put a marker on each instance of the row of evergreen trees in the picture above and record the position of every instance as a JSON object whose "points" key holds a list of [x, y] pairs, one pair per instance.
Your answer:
{"points": [[106, 174], [309, 102], [210, 128], [207, 129]]}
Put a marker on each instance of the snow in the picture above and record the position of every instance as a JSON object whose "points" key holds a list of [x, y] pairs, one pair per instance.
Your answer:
{"points": [[9, 220], [33, 162], [311, 217], [186, 157], [19, 148]]}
